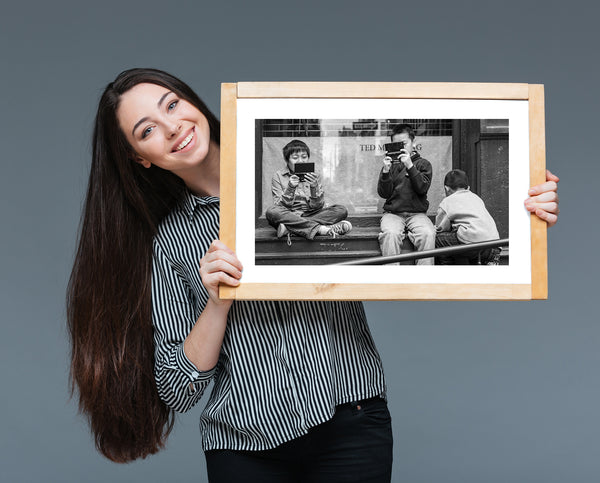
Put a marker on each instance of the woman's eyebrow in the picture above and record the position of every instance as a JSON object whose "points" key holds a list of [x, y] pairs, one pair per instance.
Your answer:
{"points": [[160, 101], [144, 119]]}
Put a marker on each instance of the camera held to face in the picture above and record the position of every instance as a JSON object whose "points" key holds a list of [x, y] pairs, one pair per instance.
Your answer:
{"points": [[394, 150]]}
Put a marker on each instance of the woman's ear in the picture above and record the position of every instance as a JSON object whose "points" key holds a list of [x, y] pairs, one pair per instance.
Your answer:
{"points": [[144, 162], [139, 160]]}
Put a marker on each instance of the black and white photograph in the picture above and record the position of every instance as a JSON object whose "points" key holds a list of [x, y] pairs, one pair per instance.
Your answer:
{"points": [[385, 191]]}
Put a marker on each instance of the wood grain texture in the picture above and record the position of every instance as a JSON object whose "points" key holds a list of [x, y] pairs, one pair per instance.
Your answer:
{"points": [[228, 166], [329, 291], [281, 291], [537, 166], [386, 90]]}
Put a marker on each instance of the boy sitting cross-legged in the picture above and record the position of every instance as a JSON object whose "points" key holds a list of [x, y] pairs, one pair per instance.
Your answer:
{"points": [[298, 205]]}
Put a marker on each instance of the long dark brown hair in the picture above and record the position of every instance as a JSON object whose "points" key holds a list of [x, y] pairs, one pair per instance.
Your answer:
{"points": [[109, 305]]}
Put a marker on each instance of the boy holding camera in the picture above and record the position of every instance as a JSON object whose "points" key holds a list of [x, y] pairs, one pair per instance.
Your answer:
{"points": [[462, 218], [404, 182], [298, 200]]}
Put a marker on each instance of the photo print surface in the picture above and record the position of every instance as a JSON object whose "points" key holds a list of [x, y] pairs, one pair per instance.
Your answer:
{"points": [[350, 188]]}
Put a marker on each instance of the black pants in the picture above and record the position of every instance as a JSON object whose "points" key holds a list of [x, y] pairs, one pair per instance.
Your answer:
{"points": [[354, 446]]}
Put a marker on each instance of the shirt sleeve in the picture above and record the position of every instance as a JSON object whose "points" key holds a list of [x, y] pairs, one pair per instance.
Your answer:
{"points": [[180, 384], [282, 195], [420, 176], [316, 201], [385, 185], [442, 222]]}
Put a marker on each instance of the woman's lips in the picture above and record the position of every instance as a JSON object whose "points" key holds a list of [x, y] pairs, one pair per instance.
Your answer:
{"points": [[185, 142]]}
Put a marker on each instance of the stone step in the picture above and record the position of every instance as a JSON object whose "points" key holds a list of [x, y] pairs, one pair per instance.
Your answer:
{"points": [[316, 258], [361, 238], [361, 242]]}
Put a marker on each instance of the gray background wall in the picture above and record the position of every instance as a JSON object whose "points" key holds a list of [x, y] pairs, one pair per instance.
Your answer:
{"points": [[490, 392]]}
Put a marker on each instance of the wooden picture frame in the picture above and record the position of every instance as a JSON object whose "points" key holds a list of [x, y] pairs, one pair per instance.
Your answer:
{"points": [[240, 100]]}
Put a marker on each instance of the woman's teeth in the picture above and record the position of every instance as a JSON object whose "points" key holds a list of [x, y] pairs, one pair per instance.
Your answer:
{"points": [[185, 142]]}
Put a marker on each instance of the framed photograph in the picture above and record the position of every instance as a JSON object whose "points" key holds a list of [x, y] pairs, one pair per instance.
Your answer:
{"points": [[383, 191]]}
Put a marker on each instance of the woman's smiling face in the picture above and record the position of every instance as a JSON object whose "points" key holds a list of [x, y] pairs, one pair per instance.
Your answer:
{"points": [[163, 129]]}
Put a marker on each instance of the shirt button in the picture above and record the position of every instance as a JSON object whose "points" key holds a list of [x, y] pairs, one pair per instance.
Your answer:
{"points": [[195, 374]]}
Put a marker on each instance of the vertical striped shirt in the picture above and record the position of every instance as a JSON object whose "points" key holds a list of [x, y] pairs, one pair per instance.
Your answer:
{"points": [[283, 366]]}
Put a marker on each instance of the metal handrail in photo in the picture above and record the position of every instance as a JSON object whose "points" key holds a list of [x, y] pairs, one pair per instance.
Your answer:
{"points": [[429, 253]]}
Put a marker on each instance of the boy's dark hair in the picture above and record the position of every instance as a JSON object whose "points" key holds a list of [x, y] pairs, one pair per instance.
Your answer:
{"points": [[295, 146], [400, 128], [456, 179]]}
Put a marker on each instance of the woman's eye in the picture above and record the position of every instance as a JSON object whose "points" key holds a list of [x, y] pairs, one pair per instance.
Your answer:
{"points": [[146, 131], [172, 105]]}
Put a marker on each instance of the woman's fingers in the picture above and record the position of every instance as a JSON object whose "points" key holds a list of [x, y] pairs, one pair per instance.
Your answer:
{"points": [[212, 279], [548, 186], [215, 278], [550, 218], [551, 184], [544, 197], [217, 256], [547, 201], [217, 245], [219, 251], [551, 177], [220, 264], [550, 207]]}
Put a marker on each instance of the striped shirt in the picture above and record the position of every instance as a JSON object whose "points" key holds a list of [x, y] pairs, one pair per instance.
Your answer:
{"points": [[283, 366]]}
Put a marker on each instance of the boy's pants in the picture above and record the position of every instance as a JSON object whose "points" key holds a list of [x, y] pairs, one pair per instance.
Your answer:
{"points": [[475, 257], [305, 224], [421, 233]]}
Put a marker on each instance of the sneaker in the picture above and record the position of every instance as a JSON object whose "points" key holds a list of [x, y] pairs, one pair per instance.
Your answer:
{"points": [[282, 230], [340, 228]]}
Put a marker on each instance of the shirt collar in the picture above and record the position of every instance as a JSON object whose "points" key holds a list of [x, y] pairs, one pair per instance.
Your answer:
{"points": [[191, 201]]}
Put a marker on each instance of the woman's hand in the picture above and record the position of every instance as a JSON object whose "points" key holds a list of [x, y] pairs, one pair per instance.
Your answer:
{"points": [[219, 265], [543, 200], [203, 344]]}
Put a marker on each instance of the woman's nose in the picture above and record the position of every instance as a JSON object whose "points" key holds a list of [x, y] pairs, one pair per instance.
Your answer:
{"points": [[173, 128]]}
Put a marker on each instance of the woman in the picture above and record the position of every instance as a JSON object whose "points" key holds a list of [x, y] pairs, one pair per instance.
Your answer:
{"points": [[299, 388]]}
